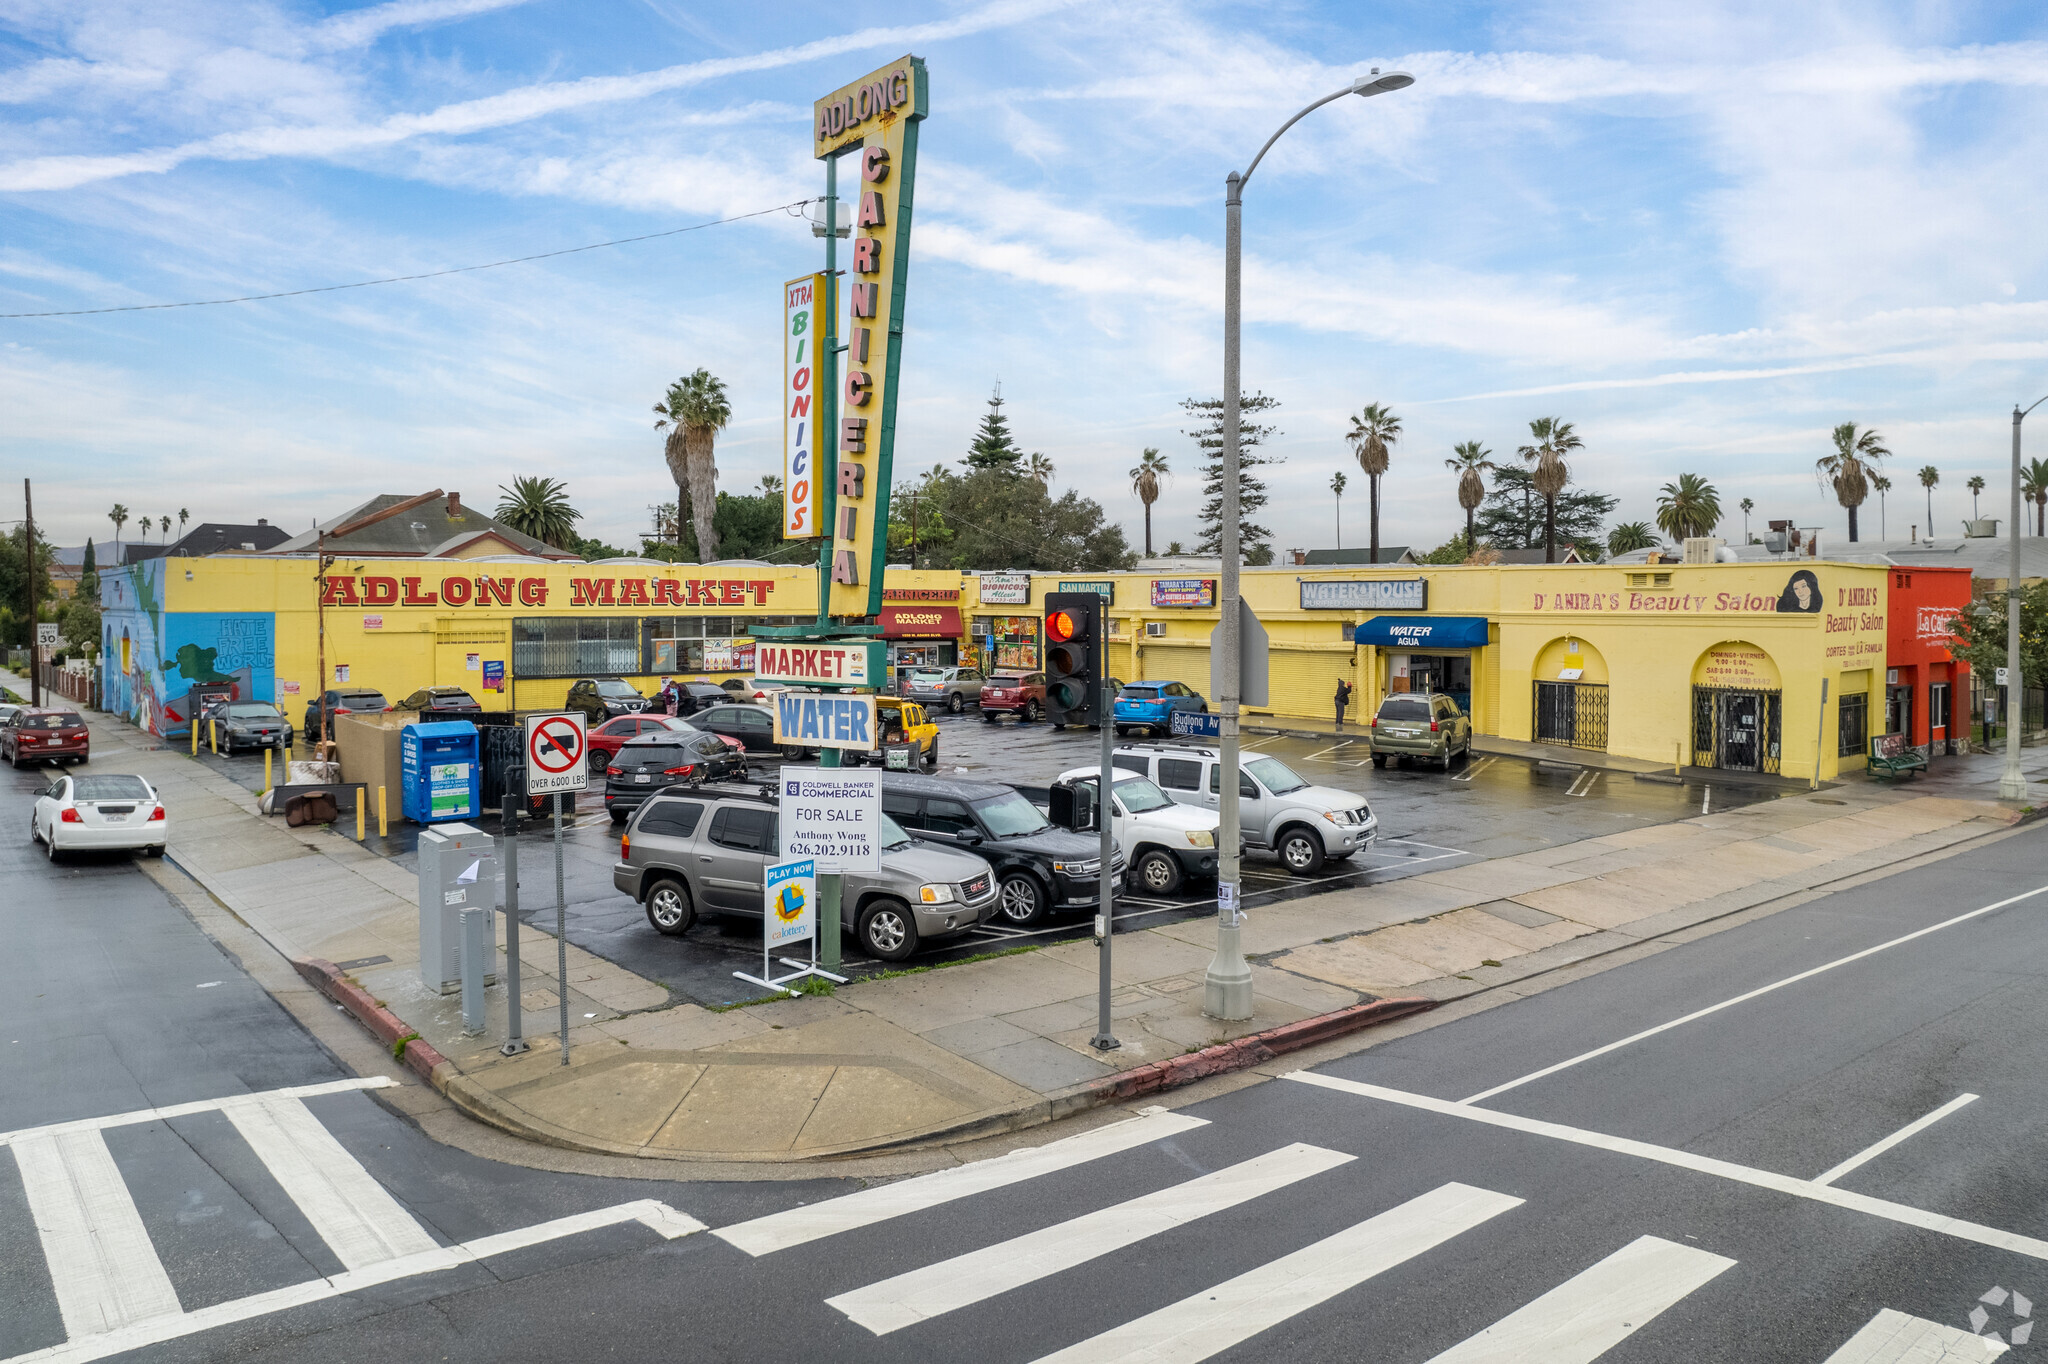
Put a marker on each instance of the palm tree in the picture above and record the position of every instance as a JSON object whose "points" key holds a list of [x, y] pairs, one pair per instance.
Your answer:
{"points": [[164, 523], [1630, 535], [1337, 482], [1688, 508], [1152, 467], [1373, 431], [1554, 440], [1038, 469], [1851, 466], [2034, 489], [694, 412], [1747, 506], [183, 517], [1883, 486], [771, 485], [1929, 476], [1975, 485], [540, 507], [1471, 460]]}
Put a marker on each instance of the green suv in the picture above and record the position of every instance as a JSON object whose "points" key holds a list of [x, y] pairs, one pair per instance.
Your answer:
{"points": [[1419, 726]]}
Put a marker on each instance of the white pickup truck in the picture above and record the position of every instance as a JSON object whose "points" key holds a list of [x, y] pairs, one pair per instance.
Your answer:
{"points": [[1165, 843]]}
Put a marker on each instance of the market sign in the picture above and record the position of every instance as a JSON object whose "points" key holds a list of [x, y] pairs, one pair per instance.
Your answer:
{"points": [[1106, 590], [1183, 591], [920, 622], [804, 302], [484, 589], [878, 115], [858, 664], [1366, 594], [1006, 589]]}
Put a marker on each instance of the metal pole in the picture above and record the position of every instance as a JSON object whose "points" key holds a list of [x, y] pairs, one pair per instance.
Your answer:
{"points": [[476, 940], [35, 662], [1104, 1039], [1227, 985], [561, 934], [2011, 784], [508, 858]]}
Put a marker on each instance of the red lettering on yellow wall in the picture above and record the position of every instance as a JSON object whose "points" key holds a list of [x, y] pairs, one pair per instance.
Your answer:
{"points": [[533, 591], [761, 589], [732, 594], [701, 593], [340, 592], [380, 591], [415, 597], [455, 591], [633, 592], [668, 592], [591, 591], [489, 588]]}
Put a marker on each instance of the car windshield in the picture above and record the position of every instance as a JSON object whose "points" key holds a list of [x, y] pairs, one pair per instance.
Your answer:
{"points": [[1275, 775], [1010, 815], [893, 836], [253, 710], [615, 689], [52, 722], [1139, 795], [109, 788], [1141, 693], [1405, 708]]}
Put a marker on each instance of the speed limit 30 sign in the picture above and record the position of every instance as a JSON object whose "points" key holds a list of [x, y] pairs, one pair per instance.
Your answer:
{"points": [[557, 749]]}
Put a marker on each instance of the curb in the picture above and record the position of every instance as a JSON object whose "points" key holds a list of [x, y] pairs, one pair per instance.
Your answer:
{"points": [[385, 1026]]}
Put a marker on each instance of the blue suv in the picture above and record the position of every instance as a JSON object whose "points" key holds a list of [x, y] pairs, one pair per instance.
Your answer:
{"points": [[1150, 705]]}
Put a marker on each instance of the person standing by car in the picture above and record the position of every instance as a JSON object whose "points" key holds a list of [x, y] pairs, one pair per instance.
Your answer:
{"points": [[668, 694], [1343, 700]]}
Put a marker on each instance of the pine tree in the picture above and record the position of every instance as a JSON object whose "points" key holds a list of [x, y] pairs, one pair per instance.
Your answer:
{"points": [[1254, 540], [994, 447]]}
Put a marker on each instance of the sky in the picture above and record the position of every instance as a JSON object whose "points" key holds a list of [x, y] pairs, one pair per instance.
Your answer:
{"points": [[1706, 233]]}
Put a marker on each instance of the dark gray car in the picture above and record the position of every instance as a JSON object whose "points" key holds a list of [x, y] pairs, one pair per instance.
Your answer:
{"points": [[695, 850]]}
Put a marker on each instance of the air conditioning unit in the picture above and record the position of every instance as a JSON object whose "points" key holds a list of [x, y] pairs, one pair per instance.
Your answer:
{"points": [[1155, 629], [1700, 549]]}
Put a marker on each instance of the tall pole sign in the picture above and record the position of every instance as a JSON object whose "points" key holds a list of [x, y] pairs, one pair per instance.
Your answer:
{"points": [[804, 303], [876, 117]]}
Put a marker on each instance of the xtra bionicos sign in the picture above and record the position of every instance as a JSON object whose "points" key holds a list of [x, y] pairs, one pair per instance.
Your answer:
{"points": [[607, 594]]}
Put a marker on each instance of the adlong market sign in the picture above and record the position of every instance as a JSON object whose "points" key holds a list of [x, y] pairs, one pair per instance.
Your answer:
{"points": [[483, 589]]}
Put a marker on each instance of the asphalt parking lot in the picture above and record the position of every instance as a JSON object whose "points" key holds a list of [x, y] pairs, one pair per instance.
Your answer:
{"points": [[1486, 807]]}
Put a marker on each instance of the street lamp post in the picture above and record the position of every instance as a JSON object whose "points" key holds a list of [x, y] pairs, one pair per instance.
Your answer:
{"points": [[1227, 985], [2011, 784]]}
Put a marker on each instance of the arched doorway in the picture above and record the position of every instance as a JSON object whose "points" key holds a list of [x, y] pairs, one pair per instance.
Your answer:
{"points": [[1737, 701], [1570, 695]]}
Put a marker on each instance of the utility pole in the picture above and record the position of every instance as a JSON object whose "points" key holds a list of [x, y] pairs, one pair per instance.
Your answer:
{"points": [[35, 664], [2012, 783]]}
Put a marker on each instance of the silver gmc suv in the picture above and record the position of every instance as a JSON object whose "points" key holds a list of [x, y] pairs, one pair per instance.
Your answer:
{"points": [[702, 850]]}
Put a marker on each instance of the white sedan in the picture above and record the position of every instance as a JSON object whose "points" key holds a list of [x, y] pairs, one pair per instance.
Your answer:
{"points": [[81, 813]]}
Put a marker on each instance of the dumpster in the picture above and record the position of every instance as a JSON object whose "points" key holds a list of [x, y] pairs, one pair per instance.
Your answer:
{"points": [[439, 772]]}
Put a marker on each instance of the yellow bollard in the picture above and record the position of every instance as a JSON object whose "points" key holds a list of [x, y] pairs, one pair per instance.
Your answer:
{"points": [[361, 813], [382, 829], [213, 739], [1678, 759], [266, 771], [195, 736]]}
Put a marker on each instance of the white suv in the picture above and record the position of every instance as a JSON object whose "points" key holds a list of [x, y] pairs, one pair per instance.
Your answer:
{"points": [[1164, 842], [1277, 810]]}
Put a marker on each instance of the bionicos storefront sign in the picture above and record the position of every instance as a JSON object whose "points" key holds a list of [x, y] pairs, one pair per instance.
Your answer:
{"points": [[595, 593]]}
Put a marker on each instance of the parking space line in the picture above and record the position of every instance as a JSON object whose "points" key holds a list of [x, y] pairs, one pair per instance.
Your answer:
{"points": [[1473, 769], [1877, 1149], [1583, 783]]}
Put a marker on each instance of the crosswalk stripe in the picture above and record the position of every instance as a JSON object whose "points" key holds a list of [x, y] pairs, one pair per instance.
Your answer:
{"points": [[105, 1271], [357, 1217], [934, 1290], [1895, 1338], [143, 1115], [1589, 1313], [1238, 1309], [780, 1231]]}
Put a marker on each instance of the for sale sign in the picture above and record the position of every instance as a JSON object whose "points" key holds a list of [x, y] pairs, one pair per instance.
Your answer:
{"points": [[557, 754], [832, 816]]}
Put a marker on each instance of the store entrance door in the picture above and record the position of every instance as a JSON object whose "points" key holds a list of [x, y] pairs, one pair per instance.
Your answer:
{"points": [[1739, 732], [1450, 674]]}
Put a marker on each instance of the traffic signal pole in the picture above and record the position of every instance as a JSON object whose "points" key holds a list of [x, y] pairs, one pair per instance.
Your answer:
{"points": [[1104, 1039], [1077, 693]]}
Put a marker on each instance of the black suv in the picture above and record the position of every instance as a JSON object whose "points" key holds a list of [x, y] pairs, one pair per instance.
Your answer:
{"points": [[340, 701], [645, 764], [1039, 866], [604, 699], [441, 703]]}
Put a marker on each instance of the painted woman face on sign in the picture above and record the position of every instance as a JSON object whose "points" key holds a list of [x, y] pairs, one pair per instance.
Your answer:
{"points": [[1802, 593]]}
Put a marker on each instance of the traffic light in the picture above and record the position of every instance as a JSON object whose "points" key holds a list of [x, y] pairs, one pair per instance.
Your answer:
{"points": [[1073, 658]]}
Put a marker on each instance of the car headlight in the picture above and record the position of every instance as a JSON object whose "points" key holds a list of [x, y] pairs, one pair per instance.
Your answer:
{"points": [[1201, 838], [1077, 868], [936, 895]]}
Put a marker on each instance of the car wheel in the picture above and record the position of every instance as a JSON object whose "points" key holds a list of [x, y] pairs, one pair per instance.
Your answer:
{"points": [[1033, 712], [988, 717], [50, 845], [887, 930], [931, 757], [1156, 873], [794, 752], [619, 816], [599, 761], [35, 835], [1021, 900], [669, 907], [955, 703], [1301, 851], [155, 850], [1379, 760]]}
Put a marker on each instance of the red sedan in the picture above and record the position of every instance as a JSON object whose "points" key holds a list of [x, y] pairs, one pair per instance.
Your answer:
{"points": [[606, 739], [33, 737]]}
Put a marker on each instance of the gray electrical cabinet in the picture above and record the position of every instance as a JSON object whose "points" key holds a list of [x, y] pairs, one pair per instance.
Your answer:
{"points": [[458, 871]]}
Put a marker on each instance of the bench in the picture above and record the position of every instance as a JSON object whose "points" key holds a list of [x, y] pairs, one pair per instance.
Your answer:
{"points": [[1890, 755]]}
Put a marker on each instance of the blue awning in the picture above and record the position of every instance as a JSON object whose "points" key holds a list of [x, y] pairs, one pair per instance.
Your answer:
{"points": [[1423, 632]]}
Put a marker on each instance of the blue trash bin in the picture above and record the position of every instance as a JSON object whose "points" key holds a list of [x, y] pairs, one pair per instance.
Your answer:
{"points": [[440, 772]]}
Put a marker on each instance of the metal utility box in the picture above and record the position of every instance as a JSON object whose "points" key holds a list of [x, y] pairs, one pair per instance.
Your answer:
{"points": [[440, 772], [458, 871]]}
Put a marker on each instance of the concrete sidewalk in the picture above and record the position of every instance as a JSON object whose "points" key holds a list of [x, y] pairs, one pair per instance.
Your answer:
{"points": [[986, 1046]]}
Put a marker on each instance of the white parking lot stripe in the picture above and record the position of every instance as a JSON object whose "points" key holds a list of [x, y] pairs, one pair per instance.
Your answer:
{"points": [[1879, 1148], [1236, 1310], [102, 1266], [780, 1231], [934, 1290], [1895, 1338], [1586, 1315], [354, 1214]]}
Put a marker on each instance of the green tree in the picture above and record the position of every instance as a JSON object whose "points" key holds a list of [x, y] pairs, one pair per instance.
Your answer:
{"points": [[1882, 485], [771, 485], [1337, 484], [1747, 506], [2034, 489], [540, 507], [1372, 436], [1039, 469], [1516, 517], [183, 517], [1455, 550], [993, 446], [1976, 486], [693, 412], [1151, 468], [997, 520], [1980, 634], [21, 606], [1254, 540], [1554, 439], [1848, 468], [917, 523], [1929, 476], [1630, 536], [1472, 461], [119, 516], [1688, 508]]}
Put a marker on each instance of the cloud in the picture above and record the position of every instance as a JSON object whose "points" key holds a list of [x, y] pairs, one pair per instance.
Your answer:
{"points": [[358, 28]]}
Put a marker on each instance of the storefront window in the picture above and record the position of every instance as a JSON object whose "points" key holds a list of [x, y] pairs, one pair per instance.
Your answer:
{"points": [[573, 646], [1854, 725], [1009, 642]]}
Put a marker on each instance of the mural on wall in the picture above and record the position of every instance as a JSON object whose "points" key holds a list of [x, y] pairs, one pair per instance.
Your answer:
{"points": [[160, 666], [1802, 593]]}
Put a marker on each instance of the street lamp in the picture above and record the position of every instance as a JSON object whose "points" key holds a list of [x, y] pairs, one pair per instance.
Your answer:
{"points": [[1227, 986], [2012, 785]]}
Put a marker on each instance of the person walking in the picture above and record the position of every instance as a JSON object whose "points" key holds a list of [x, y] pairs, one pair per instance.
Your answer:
{"points": [[1343, 700]]}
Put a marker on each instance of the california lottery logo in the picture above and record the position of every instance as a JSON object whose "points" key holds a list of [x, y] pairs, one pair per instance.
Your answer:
{"points": [[789, 904]]}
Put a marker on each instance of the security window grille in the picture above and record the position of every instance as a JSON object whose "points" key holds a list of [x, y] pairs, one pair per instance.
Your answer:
{"points": [[1736, 729], [1854, 725], [571, 646], [1573, 714]]}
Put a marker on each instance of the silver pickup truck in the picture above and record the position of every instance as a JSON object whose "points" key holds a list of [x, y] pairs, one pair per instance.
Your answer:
{"points": [[1306, 825]]}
